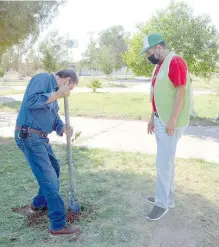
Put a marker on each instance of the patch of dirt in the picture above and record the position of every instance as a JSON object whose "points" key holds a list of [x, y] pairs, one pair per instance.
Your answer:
{"points": [[72, 217], [87, 214], [32, 218], [39, 218]]}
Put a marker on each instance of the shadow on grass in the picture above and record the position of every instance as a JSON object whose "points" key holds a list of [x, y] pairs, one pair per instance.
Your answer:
{"points": [[120, 85], [15, 105], [144, 80], [114, 185], [5, 99], [211, 133], [199, 121]]}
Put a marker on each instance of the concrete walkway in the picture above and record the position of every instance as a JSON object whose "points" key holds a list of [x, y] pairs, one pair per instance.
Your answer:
{"points": [[131, 136]]}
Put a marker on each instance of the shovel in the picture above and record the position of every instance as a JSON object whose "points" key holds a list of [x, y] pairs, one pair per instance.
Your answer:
{"points": [[73, 204]]}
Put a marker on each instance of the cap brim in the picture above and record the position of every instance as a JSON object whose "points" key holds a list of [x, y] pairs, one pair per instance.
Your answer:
{"points": [[143, 51]]}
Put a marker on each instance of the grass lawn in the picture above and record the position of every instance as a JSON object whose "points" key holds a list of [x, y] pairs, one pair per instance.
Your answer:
{"points": [[200, 83], [84, 81], [8, 92], [197, 83], [134, 106], [127, 106], [112, 187], [11, 83]]}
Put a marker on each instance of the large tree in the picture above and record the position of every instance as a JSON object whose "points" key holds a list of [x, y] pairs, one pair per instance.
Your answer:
{"points": [[105, 53], [10, 59], [13, 55], [54, 52], [91, 56], [113, 41], [20, 19], [107, 61], [193, 37]]}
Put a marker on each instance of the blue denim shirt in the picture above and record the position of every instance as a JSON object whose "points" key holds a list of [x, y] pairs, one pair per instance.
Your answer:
{"points": [[34, 111]]}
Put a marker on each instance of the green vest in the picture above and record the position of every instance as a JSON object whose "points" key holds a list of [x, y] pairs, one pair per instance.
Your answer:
{"points": [[164, 95]]}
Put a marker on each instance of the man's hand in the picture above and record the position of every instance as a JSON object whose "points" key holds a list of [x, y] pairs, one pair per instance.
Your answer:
{"points": [[151, 127], [68, 130], [63, 91], [171, 126]]}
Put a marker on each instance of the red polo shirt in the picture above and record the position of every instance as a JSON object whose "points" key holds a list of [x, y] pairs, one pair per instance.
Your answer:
{"points": [[177, 75]]}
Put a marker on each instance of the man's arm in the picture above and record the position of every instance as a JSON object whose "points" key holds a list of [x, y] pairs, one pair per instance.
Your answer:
{"points": [[62, 128], [59, 126], [39, 95], [178, 76], [178, 103], [38, 92], [151, 124]]}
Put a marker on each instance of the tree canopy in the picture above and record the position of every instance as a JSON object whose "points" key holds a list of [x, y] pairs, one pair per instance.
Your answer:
{"points": [[193, 37], [20, 19], [105, 53], [54, 52]]}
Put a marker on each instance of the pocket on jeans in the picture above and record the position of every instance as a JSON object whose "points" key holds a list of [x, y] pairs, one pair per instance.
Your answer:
{"points": [[160, 129], [36, 140]]}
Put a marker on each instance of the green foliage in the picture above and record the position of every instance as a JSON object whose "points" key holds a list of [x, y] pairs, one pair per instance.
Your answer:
{"points": [[33, 58], [106, 53], [49, 62], [19, 19], [94, 84], [106, 61], [13, 56], [2, 72], [193, 37], [10, 59], [54, 52], [113, 42], [80, 65], [139, 64], [91, 59]]}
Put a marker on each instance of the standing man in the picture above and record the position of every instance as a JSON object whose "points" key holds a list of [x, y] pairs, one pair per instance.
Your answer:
{"points": [[37, 118], [170, 96]]}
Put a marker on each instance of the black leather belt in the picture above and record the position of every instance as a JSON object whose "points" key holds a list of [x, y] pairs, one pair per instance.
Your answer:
{"points": [[33, 131], [156, 114]]}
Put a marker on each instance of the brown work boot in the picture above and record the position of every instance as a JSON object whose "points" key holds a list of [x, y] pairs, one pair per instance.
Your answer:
{"points": [[67, 231]]}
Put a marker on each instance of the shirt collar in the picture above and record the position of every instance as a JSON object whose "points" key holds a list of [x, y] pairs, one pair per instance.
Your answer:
{"points": [[54, 82]]}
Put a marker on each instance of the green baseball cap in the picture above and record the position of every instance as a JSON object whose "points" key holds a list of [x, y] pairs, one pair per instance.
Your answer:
{"points": [[150, 41]]}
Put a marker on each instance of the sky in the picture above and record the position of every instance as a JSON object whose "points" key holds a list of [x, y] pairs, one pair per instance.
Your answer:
{"points": [[81, 18]]}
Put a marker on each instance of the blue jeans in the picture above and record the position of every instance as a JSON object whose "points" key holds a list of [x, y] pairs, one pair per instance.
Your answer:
{"points": [[46, 169], [166, 150]]}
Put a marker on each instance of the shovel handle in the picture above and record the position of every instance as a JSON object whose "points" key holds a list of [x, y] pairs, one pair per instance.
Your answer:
{"points": [[69, 148]]}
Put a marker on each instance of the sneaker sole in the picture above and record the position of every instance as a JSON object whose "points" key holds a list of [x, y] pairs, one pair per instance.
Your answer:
{"points": [[165, 212], [170, 206]]}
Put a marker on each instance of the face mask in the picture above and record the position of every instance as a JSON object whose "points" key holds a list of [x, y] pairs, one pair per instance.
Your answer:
{"points": [[153, 59]]}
